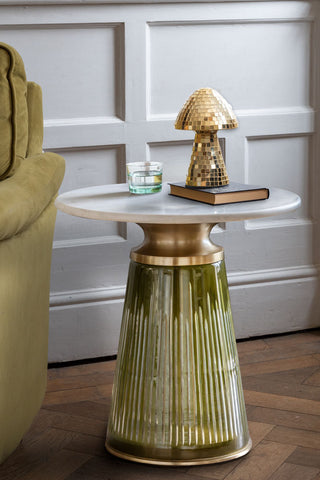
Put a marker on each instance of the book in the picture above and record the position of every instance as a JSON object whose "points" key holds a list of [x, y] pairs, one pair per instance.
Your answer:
{"points": [[232, 193]]}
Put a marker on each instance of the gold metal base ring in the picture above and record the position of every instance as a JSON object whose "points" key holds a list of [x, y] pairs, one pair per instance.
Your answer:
{"points": [[177, 245], [180, 463]]}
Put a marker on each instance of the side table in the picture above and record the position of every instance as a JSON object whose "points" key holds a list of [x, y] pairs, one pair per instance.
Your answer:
{"points": [[177, 395]]}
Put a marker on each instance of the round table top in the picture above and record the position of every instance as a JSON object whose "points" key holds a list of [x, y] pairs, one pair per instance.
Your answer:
{"points": [[115, 202]]}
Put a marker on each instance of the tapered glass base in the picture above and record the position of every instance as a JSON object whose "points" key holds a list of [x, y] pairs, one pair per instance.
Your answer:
{"points": [[177, 395]]}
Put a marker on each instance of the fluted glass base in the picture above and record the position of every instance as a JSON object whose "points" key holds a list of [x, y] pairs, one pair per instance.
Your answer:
{"points": [[177, 395]]}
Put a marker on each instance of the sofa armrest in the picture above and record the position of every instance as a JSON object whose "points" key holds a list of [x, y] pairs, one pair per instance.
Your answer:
{"points": [[35, 119], [24, 196]]}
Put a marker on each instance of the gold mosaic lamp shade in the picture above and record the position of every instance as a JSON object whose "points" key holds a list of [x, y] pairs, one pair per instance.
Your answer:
{"points": [[206, 112]]}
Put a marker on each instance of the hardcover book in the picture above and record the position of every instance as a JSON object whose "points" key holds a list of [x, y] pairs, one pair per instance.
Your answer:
{"points": [[232, 193]]}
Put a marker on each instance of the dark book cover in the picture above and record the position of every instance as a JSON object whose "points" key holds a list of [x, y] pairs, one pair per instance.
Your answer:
{"points": [[232, 193]]}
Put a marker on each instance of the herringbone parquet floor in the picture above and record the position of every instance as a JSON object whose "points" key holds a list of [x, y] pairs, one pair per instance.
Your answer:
{"points": [[281, 380]]}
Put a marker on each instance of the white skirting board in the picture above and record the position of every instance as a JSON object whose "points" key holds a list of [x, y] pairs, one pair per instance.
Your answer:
{"points": [[84, 330], [86, 324]]}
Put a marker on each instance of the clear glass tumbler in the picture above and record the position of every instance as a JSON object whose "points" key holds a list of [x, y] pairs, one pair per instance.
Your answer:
{"points": [[144, 177]]}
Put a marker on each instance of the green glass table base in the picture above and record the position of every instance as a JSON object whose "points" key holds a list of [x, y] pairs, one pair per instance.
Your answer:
{"points": [[177, 394]]}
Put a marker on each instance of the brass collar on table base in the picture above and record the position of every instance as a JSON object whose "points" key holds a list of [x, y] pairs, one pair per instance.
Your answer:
{"points": [[177, 245]]}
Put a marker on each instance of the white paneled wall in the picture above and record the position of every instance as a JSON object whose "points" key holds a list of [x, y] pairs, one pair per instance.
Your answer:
{"points": [[114, 76], [255, 56]]}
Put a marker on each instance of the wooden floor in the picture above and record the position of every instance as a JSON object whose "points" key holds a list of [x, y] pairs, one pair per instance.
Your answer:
{"points": [[281, 380]]}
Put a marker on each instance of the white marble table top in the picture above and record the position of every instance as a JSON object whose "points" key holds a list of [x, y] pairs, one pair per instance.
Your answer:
{"points": [[114, 202]]}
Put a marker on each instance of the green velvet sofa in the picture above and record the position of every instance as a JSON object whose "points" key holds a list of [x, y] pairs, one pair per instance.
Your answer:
{"points": [[29, 182]]}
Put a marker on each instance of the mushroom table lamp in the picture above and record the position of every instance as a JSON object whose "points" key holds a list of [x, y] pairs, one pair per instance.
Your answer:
{"points": [[206, 112]]}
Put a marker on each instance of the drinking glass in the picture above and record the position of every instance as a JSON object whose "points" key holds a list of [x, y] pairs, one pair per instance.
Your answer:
{"points": [[144, 177]]}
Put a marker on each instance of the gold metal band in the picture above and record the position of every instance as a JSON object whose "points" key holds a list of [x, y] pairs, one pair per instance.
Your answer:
{"points": [[177, 245], [194, 461]]}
